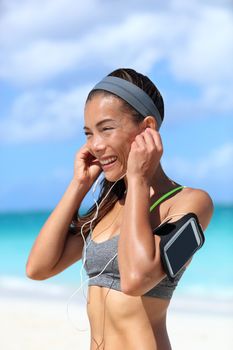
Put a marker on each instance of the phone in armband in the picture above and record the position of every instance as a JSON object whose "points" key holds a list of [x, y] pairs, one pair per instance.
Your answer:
{"points": [[179, 241]]}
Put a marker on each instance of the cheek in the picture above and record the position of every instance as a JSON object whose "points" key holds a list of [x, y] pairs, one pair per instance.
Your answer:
{"points": [[121, 142]]}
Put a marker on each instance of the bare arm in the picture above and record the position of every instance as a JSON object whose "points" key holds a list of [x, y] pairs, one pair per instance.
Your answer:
{"points": [[55, 248], [138, 249], [53, 241]]}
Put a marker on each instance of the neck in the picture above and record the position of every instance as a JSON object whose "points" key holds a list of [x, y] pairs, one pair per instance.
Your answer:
{"points": [[161, 183]]}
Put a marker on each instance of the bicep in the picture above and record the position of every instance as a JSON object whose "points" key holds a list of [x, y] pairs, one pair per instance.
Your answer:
{"points": [[198, 202]]}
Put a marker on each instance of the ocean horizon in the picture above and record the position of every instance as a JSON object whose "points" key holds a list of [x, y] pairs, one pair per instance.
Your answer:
{"points": [[208, 276]]}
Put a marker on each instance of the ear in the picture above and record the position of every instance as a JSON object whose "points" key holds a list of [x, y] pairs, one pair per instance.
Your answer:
{"points": [[150, 122]]}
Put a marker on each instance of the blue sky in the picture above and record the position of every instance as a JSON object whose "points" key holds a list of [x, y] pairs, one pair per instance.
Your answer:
{"points": [[53, 51]]}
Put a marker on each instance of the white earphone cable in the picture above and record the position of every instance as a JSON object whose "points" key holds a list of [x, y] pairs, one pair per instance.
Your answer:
{"points": [[85, 247]]}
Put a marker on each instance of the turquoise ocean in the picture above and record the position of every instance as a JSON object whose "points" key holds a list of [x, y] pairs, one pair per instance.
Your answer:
{"points": [[209, 275]]}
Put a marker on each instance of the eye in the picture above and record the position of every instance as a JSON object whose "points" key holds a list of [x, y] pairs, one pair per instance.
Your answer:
{"points": [[107, 129]]}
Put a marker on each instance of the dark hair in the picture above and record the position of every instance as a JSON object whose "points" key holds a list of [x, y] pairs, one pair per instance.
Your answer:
{"points": [[117, 192]]}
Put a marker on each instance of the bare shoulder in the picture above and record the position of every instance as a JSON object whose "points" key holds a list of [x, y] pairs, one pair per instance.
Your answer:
{"points": [[196, 195], [196, 201]]}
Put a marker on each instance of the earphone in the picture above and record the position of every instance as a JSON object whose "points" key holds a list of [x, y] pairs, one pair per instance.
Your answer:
{"points": [[85, 247]]}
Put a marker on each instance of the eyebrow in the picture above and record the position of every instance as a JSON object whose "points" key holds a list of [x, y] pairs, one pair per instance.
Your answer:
{"points": [[101, 122]]}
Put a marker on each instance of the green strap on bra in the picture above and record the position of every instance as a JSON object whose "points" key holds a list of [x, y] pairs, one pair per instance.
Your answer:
{"points": [[165, 196]]}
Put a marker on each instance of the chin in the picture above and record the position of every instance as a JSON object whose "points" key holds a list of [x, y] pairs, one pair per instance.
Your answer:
{"points": [[114, 176]]}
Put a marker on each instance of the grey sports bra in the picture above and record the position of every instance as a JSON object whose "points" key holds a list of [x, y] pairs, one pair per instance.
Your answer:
{"points": [[99, 254]]}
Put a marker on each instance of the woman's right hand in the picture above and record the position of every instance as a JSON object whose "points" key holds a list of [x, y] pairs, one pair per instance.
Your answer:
{"points": [[86, 167]]}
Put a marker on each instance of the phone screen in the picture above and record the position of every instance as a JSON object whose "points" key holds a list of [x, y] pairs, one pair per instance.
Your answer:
{"points": [[182, 248]]}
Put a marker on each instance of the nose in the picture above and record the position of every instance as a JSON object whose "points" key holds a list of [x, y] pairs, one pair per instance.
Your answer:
{"points": [[97, 144]]}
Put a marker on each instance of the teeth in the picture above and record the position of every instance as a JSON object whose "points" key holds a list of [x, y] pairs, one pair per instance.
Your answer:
{"points": [[107, 161]]}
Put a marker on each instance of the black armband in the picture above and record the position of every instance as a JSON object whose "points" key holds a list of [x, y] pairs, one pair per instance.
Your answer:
{"points": [[179, 241]]}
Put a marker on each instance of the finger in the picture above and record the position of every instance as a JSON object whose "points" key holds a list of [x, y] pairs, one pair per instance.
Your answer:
{"points": [[156, 137], [149, 138], [145, 140], [140, 141]]}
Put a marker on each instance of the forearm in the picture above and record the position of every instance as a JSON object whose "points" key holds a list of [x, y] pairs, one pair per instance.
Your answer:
{"points": [[50, 242], [136, 247]]}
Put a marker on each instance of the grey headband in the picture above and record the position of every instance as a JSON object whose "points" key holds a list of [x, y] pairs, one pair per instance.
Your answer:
{"points": [[132, 94]]}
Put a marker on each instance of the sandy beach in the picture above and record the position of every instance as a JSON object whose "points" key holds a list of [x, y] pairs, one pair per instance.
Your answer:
{"points": [[42, 323]]}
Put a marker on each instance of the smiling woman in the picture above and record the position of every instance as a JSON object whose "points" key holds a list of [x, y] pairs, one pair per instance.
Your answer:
{"points": [[129, 291]]}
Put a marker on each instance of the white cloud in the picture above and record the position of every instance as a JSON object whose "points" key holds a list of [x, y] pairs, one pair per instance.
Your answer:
{"points": [[43, 41], [214, 101], [212, 173], [204, 54], [44, 115], [216, 165], [31, 20], [41, 61]]}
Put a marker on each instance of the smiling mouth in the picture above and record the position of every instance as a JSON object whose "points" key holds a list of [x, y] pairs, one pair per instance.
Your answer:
{"points": [[108, 165]]}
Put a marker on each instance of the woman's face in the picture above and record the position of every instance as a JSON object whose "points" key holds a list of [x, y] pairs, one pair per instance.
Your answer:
{"points": [[109, 132]]}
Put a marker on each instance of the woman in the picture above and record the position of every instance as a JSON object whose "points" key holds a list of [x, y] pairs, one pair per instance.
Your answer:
{"points": [[128, 302]]}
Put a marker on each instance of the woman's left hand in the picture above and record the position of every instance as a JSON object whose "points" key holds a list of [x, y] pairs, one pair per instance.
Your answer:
{"points": [[144, 156]]}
